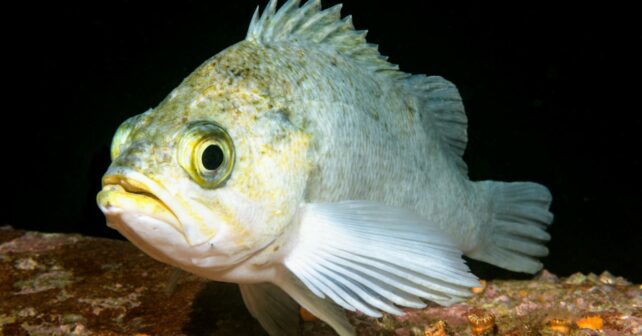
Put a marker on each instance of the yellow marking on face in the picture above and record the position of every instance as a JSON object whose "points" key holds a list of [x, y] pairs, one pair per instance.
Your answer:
{"points": [[244, 237], [115, 195], [184, 204], [295, 157], [205, 230]]}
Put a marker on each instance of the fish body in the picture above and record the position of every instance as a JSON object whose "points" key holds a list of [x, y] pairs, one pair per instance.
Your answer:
{"points": [[302, 165]]}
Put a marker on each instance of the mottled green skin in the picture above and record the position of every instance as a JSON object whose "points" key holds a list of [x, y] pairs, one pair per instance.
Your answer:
{"points": [[314, 115], [309, 124], [235, 90]]}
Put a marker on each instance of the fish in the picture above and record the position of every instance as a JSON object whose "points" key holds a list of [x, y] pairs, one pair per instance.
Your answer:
{"points": [[302, 165]]}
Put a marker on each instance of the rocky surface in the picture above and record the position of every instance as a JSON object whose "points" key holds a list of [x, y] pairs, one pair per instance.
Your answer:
{"points": [[55, 284]]}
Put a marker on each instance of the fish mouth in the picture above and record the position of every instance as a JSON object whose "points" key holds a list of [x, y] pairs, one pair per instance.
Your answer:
{"points": [[128, 185], [121, 193]]}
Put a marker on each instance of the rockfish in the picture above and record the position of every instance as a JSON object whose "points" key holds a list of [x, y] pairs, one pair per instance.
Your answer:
{"points": [[303, 166]]}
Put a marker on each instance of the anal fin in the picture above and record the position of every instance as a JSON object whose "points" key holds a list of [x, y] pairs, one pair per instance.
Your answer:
{"points": [[172, 282]]}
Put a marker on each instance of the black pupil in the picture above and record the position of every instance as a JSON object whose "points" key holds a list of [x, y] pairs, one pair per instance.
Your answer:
{"points": [[212, 157]]}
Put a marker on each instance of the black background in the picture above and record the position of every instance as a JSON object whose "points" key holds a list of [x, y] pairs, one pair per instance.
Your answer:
{"points": [[552, 96]]}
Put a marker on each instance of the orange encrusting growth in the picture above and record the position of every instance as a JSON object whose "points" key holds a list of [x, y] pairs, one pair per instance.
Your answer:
{"points": [[558, 325], [481, 288], [306, 315], [590, 322], [436, 329], [481, 322]]}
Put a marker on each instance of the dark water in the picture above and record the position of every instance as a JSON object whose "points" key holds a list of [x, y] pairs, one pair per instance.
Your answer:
{"points": [[549, 91]]}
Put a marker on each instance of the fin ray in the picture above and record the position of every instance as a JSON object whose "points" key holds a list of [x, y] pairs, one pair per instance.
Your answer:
{"points": [[442, 110], [372, 257], [351, 281], [395, 295], [517, 229], [321, 308], [310, 24]]}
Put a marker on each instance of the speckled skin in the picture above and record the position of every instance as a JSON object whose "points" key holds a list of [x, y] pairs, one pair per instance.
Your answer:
{"points": [[309, 124], [256, 203], [311, 116]]}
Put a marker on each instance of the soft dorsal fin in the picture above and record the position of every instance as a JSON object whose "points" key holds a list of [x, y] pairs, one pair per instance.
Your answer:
{"points": [[442, 110], [310, 24]]}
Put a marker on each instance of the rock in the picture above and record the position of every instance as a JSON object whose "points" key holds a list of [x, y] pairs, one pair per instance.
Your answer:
{"points": [[57, 284], [54, 284]]}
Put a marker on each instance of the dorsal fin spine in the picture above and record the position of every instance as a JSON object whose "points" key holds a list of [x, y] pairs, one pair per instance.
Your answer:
{"points": [[282, 16], [313, 17], [291, 24], [325, 24], [327, 31], [439, 99], [253, 23], [310, 24], [271, 8]]}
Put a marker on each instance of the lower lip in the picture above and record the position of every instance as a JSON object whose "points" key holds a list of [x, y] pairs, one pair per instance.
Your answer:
{"points": [[115, 200]]}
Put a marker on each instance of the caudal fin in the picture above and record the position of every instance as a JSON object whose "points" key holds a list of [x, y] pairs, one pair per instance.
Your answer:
{"points": [[517, 233]]}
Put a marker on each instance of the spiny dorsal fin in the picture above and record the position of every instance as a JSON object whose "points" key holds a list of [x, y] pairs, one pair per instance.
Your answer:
{"points": [[442, 109], [308, 23]]}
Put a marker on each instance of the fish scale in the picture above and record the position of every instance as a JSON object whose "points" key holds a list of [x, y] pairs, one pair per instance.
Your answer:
{"points": [[338, 182]]}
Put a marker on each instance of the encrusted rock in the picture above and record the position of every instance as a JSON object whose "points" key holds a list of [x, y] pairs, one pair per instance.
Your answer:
{"points": [[54, 284]]}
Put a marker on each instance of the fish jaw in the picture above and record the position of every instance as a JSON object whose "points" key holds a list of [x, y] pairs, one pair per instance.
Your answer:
{"points": [[120, 194], [135, 192], [127, 191], [132, 208], [147, 215]]}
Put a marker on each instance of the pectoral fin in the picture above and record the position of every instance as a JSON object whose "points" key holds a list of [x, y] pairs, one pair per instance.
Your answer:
{"points": [[323, 309], [371, 257]]}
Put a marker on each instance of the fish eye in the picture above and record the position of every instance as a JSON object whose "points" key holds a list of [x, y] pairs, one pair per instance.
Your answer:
{"points": [[206, 153]]}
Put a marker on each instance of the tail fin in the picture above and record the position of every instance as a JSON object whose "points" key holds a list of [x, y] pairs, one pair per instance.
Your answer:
{"points": [[516, 235]]}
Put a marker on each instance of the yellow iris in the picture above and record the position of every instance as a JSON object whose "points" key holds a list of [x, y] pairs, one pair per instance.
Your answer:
{"points": [[206, 153]]}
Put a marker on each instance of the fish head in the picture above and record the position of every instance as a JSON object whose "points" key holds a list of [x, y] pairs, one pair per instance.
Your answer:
{"points": [[212, 175]]}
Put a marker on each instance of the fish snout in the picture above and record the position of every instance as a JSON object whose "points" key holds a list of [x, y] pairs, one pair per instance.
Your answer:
{"points": [[127, 192]]}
